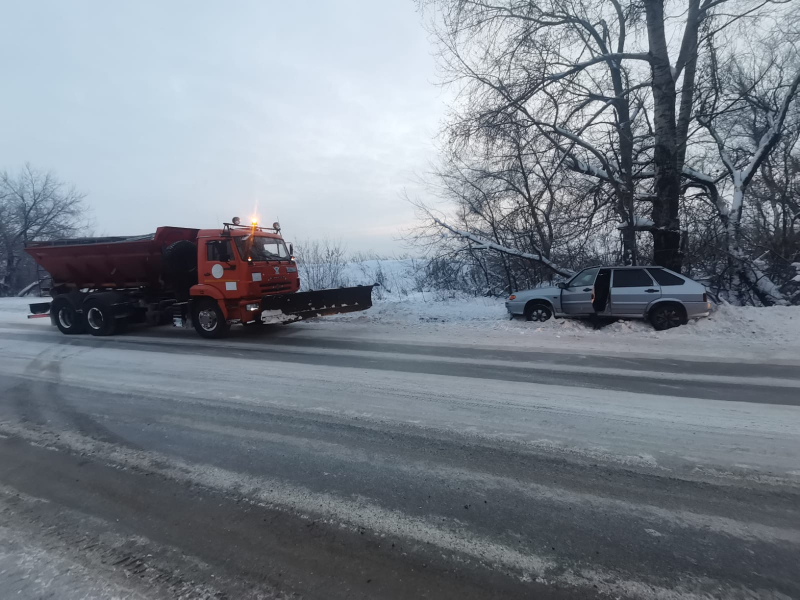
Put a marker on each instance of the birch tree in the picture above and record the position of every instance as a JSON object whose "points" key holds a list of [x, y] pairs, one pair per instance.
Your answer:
{"points": [[746, 119]]}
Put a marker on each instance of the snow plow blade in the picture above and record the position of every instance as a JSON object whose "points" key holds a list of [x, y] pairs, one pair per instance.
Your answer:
{"points": [[307, 305]]}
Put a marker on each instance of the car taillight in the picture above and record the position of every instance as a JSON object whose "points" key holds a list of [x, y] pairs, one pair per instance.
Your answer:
{"points": [[512, 297], [705, 297]]}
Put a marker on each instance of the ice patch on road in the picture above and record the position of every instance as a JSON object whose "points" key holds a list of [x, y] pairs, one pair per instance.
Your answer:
{"points": [[653, 532], [359, 513]]}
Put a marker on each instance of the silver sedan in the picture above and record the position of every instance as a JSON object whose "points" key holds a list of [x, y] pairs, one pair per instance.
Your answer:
{"points": [[665, 298]]}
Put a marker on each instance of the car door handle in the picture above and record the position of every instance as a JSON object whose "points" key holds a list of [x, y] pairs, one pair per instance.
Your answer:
{"points": [[587, 289], [651, 291]]}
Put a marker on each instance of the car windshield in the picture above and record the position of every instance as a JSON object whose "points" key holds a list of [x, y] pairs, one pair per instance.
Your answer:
{"points": [[260, 247]]}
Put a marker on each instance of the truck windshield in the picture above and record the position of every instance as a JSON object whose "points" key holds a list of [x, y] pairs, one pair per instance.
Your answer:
{"points": [[261, 248]]}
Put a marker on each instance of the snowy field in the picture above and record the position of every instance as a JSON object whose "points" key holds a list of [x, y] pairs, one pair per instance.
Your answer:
{"points": [[769, 334]]}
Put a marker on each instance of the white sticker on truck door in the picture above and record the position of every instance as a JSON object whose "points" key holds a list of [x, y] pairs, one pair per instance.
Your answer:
{"points": [[256, 276], [230, 286]]}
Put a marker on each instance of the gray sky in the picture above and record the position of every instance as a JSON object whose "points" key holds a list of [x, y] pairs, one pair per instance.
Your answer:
{"points": [[188, 113]]}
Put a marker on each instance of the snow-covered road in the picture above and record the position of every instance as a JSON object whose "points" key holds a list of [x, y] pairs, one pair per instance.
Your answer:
{"points": [[340, 459]]}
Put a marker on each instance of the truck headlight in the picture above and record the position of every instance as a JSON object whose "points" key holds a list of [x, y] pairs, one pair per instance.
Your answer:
{"points": [[252, 307]]}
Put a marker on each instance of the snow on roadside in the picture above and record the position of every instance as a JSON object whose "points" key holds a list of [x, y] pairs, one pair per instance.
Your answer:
{"points": [[419, 308], [731, 331], [430, 312], [17, 309], [779, 323]]}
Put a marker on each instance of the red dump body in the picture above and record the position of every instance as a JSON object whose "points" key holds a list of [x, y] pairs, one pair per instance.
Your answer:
{"points": [[111, 262]]}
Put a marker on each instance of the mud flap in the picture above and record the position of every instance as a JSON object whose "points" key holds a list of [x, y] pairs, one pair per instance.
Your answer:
{"points": [[307, 305], [39, 309]]}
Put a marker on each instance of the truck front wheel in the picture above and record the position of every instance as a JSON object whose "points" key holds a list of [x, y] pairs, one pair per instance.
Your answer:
{"points": [[67, 319], [208, 319]]}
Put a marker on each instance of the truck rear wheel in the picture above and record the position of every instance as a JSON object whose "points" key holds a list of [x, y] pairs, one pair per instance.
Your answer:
{"points": [[68, 320], [208, 319], [100, 319]]}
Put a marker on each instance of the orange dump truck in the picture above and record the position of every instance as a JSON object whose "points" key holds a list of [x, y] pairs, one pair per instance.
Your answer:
{"points": [[211, 278]]}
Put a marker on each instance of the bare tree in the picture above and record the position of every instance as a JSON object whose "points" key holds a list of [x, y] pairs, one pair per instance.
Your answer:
{"points": [[34, 205], [745, 118], [614, 105], [322, 264]]}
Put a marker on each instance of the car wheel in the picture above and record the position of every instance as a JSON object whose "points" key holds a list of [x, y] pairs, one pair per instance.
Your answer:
{"points": [[68, 320], [100, 319], [208, 319], [667, 316], [538, 312]]}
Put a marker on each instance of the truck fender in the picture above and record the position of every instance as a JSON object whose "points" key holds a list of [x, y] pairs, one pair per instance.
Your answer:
{"points": [[202, 290]]}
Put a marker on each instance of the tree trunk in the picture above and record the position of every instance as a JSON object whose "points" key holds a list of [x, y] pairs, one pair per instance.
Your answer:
{"points": [[629, 245], [11, 270], [666, 221]]}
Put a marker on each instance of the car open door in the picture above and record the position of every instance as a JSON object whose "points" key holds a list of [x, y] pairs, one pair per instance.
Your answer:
{"points": [[631, 291], [576, 298]]}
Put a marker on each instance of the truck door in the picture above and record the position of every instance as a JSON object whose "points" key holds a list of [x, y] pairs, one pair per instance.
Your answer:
{"points": [[220, 266], [576, 299], [631, 291]]}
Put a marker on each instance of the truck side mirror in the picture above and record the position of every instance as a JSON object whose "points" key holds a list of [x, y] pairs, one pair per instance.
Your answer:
{"points": [[291, 249]]}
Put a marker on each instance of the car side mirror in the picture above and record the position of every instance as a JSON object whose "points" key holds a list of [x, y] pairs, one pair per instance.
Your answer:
{"points": [[561, 285]]}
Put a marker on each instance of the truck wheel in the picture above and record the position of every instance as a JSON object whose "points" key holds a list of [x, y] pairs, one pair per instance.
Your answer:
{"points": [[208, 319], [68, 320], [100, 319]]}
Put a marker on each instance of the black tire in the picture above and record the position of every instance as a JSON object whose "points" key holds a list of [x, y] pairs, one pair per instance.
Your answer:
{"points": [[538, 311], [99, 317], [180, 258], [68, 320], [667, 315], [208, 319]]}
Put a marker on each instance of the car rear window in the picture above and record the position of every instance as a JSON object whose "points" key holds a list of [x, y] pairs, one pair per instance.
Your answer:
{"points": [[631, 278], [665, 278]]}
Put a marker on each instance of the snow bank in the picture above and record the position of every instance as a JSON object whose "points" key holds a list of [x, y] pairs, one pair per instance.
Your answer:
{"points": [[777, 323], [421, 308], [730, 331], [425, 317]]}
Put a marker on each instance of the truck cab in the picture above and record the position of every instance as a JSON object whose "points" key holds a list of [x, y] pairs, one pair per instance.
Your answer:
{"points": [[236, 267]]}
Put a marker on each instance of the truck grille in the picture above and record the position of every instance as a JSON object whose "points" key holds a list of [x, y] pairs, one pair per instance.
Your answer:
{"points": [[273, 288]]}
